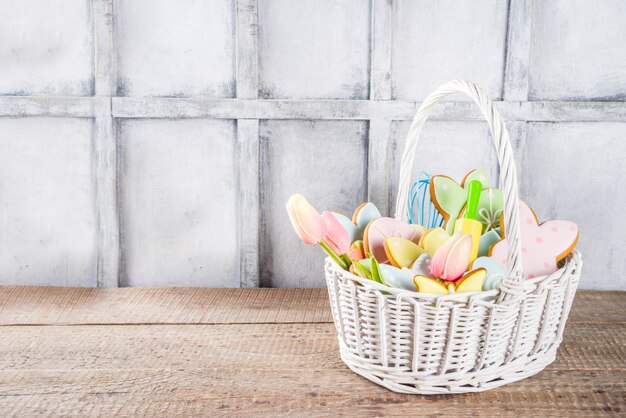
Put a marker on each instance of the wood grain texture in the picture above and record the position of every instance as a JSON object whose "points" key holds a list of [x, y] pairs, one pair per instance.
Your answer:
{"points": [[243, 357], [57, 305], [71, 306]]}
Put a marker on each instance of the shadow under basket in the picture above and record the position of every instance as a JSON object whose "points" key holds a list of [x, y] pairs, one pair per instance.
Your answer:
{"points": [[419, 343]]}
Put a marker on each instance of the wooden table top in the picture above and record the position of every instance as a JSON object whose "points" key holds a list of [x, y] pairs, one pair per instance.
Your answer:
{"points": [[261, 352]]}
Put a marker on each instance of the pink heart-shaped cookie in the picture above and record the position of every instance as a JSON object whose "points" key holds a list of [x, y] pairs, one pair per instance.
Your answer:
{"points": [[543, 246], [379, 229]]}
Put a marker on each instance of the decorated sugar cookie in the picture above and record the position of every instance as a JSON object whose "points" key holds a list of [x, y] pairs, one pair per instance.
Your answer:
{"points": [[425, 284], [363, 215], [449, 197], [543, 246], [490, 207], [356, 253], [336, 236], [495, 272], [451, 260], [470, 282], [433, 239], [378, 230], [392, 276], [401, 252], [421, 266], [486, 242]]}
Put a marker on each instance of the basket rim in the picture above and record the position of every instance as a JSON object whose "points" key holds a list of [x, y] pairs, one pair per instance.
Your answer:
{"points": [[572, 262]]}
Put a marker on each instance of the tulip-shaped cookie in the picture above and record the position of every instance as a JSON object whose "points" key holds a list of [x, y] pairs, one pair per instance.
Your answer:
{"points": [[447, 267], [312, 228]]}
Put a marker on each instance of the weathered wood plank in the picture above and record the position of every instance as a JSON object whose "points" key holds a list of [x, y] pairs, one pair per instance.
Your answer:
{"points": [[56, 305], [105, 70], [105, 161], [518, 50], [79, 107], [380, 50], [378, 164], [128, 107], [247, 55], [136, 107], [269, 369], [586, 346], [248, 204]]}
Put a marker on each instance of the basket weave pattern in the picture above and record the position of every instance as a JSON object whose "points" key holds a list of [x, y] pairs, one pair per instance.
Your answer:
{"points": [[417, 343]]}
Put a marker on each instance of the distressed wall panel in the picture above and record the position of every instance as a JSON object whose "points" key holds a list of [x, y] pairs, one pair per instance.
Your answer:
{"points": [[323, 160], [175, 48], [576, 174], [437, 41], [178, 203], [578, 50], [333, 83], [314, 49], [47, 209], [46, 48], [450, 148]]}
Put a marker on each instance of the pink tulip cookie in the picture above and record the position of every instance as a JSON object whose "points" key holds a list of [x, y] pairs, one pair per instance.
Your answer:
{"points": [[336, 235], [378, 230], [543, 246]]}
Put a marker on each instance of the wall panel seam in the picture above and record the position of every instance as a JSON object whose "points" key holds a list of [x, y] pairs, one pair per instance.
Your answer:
{"points": [[105, 147]]}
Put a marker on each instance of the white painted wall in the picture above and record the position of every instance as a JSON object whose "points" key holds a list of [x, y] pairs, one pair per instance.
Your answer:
{"points": [[154, 143]]}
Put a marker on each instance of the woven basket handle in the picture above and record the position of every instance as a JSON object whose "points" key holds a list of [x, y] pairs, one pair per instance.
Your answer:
{"points": [[512, 283]]}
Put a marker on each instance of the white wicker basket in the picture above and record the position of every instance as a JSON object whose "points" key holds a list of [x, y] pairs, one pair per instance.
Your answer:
{"points": [[468, 342]]}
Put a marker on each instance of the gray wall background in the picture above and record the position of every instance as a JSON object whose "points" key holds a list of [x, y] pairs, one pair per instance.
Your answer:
{"points": [[155, 142]]}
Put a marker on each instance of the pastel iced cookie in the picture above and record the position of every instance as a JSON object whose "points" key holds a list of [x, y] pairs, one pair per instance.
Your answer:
{"points": [[363, 215], [433, 239], [490, 207], [421, 266], [470, 282], [449, 197], [495, 272], [356, 251], [392, 276], [486, 242], [543, 246], [402, 252], [378, 230]]}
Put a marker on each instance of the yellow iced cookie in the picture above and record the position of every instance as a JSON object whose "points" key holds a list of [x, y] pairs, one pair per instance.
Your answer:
{"points": [[426, 284], [471, 282], [402, 252], [433, 239]]}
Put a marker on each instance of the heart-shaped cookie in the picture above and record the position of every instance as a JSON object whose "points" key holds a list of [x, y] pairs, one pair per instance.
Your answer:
{"points": [[378, 230], [543, 246]]}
